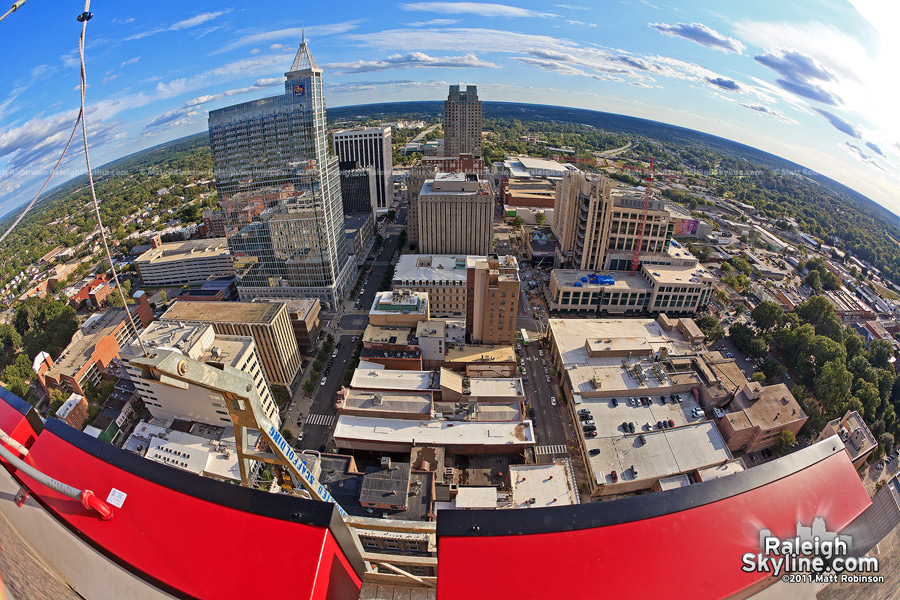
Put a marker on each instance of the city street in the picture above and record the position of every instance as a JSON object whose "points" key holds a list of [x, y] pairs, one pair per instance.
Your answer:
{"points": [[318, 414]]}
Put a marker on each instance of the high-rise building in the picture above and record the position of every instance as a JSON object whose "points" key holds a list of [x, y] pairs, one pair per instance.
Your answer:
{"points": [[462, 122], [369, 147], [194, 402], [268, 323], [455, 215], [280, 190], [429, 165], [358, 189], [492, 286], [596, 224]]}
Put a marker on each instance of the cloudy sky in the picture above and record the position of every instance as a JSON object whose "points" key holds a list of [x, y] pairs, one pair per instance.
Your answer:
{"points": [[814, 82]]}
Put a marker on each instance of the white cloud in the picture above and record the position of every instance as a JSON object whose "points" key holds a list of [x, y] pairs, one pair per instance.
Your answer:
{"points": [[182, 25], [414, 60], [290, 33], [701, 34], [482, 9], [432, 22], [279, 47], [130, 61], [769, 111], [255, 51]]}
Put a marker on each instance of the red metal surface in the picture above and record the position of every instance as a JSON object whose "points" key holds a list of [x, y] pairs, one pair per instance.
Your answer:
{"points": [[199, 548], [692, 554]]}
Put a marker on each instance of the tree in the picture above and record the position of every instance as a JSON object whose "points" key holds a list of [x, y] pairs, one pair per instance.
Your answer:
{"points": [[813, 281], [880, 353], [767, 315], [815, 310], [852, 342], [540, 218], [887, 442], [162, 296], [692, 205], [518, 222], [785, 442], [758, 377], [308, 387], [286, 434], [833, 386], [711, 327]]}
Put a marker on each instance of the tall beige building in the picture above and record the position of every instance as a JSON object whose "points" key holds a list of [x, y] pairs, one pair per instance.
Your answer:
{"points": [[425, 170], [455, 215], [268, 323], [462, 122], [596, 224], [493, 293], [168, 401]]}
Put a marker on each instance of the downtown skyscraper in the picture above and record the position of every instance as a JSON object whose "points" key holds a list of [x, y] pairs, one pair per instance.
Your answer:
{"points": [[462, 122], [279, 190]]}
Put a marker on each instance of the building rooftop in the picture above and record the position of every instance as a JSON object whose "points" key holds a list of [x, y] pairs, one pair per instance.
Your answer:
{"points": [[439, 433], [600, 280], [486, 387], [535, 486], [857, 438], [377, 334], [673, 275], [480, 353], [764, 406], [430, 329], [223, 312], [400, 301], [175, 251], [354, 222], [63, 411], [181, 450], [724, 470], [526, 166], [414, 268], [476, 497], [386, 486], [389, 379], [386, 402]]}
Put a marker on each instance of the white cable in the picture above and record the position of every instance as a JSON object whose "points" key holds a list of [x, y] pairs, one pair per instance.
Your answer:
{"points": [[87, 159]]}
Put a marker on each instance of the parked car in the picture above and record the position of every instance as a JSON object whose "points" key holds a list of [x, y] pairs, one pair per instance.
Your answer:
{"points": [[614, 476], [590, 434], [594, 451], [552, 400], [548, 379], [631, 428]]}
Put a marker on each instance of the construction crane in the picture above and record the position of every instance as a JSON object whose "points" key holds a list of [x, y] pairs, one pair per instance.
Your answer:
{"points": [[639, 237]]}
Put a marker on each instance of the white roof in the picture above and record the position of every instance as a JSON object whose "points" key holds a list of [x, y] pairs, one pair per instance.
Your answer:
{"points": [[442, 268], [549, 485], [439, 433], [390, 379], [476, 497]]}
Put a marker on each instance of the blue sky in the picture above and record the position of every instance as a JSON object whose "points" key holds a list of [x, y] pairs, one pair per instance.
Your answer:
{"points": [[814, 82]]}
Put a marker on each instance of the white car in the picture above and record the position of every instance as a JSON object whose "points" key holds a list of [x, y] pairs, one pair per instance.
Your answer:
{"points": [[552, 400], [324, 381]]}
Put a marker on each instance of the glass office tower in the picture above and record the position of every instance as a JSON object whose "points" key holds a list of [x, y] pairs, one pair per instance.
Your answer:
{"points": [[280, 191]]}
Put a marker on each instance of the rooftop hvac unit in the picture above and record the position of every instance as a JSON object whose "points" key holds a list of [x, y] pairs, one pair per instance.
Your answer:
{"points": [[385, 462]]}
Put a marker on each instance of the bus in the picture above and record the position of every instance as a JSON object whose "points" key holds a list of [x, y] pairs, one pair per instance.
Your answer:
{"points": [[525, 339]]}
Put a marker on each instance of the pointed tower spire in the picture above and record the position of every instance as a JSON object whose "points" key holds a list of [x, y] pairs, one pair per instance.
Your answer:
{"points": [[304, 60]]}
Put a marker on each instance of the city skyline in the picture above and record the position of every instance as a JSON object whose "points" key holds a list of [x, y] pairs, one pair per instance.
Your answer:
{"points": [[804, 82]]}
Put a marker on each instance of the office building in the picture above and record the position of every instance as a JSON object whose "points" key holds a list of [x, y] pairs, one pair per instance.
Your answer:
{"points": [[369, 147], [360, 232], [442, 277], [462, 121], [680, 290], [596, 224], [304, 314], [426, 169], [280, 191], [492, 300], [195, 403], [184, 263], [455, 215], [399, 308], [358, 189], [268, 323]]}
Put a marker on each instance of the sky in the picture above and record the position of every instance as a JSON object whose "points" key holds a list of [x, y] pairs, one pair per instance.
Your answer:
{"points": [[814, 82]]}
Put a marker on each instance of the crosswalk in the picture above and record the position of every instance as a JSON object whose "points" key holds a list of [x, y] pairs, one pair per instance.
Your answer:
{"points": [[554, 449], [326, 420]]}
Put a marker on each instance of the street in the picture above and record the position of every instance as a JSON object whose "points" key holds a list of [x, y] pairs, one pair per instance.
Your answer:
{"points": [[317, 415]]}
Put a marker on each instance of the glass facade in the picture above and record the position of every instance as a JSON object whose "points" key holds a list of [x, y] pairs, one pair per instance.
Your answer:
{"points": [[280, 191]]}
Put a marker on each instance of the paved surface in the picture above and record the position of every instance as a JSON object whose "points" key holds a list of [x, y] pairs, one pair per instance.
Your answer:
{"points": [[25, 576]]}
